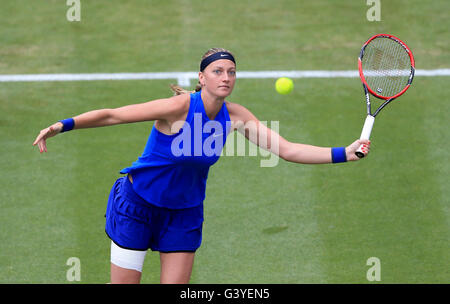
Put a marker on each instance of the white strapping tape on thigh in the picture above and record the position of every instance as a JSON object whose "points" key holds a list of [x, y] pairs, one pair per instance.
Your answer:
{"points": [[127, 258]]}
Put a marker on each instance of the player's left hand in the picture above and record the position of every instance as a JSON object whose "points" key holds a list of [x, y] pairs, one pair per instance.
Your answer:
{"points": [[351, 149]]}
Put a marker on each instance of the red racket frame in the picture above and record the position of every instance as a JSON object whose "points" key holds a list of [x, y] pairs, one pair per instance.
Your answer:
{"points": [[361, 74]]}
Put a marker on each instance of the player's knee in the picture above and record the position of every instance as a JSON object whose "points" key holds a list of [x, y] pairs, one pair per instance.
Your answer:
{"points": [[121, 275]]}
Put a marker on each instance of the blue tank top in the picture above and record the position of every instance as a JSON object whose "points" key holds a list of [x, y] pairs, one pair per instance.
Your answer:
{"points": [[173, 169]]}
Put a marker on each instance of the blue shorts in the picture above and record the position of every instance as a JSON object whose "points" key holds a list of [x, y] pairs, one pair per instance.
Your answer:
{"points": [[133, 223]]}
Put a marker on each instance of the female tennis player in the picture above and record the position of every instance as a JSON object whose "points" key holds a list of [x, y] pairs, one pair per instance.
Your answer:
{"points": [[158, 205]]}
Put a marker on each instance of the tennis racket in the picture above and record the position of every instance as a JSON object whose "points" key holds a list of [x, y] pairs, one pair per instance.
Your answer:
{"points": [[386, 68]]}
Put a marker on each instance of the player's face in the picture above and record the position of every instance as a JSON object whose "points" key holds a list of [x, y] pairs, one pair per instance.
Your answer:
{"points": [[219, 77]]}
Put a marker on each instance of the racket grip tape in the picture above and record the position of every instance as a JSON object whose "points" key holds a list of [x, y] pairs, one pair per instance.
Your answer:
{"points": [[365, 134]]}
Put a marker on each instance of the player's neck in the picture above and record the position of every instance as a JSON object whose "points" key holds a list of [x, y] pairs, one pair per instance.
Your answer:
{"points": [[211, 103]]}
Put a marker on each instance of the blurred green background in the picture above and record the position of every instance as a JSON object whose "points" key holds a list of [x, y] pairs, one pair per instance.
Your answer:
{"points": [[287, 224]]}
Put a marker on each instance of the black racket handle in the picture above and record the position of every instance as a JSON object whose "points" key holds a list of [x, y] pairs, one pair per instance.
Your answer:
{"points": [[359, 154]]}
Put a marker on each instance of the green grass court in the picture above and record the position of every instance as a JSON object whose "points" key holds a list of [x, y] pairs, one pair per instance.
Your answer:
{"points": [[287, 224]]}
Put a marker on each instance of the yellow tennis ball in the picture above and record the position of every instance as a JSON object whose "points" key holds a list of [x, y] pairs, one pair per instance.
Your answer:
{"points": [[284, 85]]}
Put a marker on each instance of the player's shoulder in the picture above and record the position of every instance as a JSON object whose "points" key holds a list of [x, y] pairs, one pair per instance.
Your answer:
{"points": [[237, 111], [179, 103], [235, 108]]}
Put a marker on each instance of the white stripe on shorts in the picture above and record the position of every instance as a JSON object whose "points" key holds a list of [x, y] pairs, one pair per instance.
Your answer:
{"points": [[127, 258]]}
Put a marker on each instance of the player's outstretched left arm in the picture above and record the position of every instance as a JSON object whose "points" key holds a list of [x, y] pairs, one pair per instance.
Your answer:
{"points": [[247, 124], [308, 154]]}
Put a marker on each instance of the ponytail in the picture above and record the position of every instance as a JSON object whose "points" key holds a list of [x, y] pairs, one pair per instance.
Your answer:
{"points": [[177, 90]]}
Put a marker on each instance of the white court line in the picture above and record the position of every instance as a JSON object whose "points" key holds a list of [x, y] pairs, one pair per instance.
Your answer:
{"points": [[184, 78]]}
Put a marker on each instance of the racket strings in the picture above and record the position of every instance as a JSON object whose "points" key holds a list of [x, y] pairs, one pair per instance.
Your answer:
{"points": [[386, 66]]}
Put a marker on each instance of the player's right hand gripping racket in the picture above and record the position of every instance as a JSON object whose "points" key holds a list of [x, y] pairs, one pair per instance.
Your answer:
{"points": [[386, 68]]}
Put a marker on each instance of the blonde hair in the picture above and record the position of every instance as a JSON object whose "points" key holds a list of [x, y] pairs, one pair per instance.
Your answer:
{"points": [[177, 90]]}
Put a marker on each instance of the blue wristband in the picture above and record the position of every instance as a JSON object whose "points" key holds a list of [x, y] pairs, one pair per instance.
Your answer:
{"points": [[68, 124], [338, 155]]}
